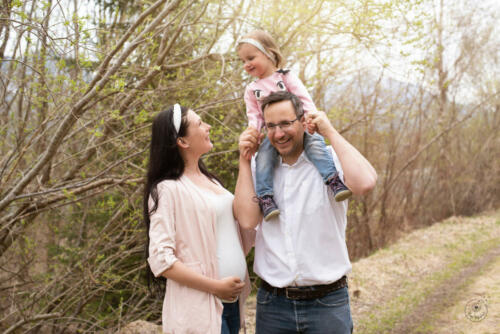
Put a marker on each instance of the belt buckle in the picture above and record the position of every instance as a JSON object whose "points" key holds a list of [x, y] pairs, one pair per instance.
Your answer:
{"points": [[291, 289]]}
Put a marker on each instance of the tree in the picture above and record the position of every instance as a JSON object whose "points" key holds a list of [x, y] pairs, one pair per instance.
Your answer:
{"points": [[79, 89]]}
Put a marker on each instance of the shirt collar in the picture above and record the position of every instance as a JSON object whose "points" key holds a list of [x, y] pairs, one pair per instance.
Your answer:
{"points": [[301, 159]]}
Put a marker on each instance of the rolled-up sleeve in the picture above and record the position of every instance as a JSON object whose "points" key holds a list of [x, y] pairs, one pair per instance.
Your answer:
{"points": [[162, 233]]}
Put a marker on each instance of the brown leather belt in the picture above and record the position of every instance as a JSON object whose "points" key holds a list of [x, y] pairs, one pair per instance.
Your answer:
{"points": [[305, 292]]}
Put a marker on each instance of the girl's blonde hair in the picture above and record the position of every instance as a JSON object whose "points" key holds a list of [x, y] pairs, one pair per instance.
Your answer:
{"points": [[268, 43]]}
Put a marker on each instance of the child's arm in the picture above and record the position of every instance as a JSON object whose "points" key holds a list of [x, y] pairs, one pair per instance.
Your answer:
{"points": [[254, 115]]}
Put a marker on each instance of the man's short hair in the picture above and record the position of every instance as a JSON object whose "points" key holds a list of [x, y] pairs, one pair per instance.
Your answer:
{"points": [[284, 96]]}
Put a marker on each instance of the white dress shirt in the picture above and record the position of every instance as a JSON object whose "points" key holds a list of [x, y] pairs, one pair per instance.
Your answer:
{"points": [[304, 245]]}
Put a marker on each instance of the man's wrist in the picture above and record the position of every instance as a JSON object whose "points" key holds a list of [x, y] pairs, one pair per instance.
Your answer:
{"points": [[329, 132], [243, 160], [333, 136]]}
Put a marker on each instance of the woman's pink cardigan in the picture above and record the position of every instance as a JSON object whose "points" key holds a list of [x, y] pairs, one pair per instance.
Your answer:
{"points": [[184, 228]]}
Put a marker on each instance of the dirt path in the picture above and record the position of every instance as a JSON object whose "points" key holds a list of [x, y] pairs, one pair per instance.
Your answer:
{"points": [[403, 288], [444, 296], [478, 309]]}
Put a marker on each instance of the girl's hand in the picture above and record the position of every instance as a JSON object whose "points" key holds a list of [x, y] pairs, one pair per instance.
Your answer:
{"points": [[229, 288]]}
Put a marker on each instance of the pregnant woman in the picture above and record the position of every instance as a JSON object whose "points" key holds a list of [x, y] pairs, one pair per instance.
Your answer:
{"points": [[193, 238]]}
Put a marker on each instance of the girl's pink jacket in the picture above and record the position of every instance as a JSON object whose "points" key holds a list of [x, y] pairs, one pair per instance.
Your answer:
{"points": [[282, 79], [184, 228]]}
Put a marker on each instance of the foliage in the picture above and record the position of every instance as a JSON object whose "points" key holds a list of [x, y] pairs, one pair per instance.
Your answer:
{"points": [[81, 81]]}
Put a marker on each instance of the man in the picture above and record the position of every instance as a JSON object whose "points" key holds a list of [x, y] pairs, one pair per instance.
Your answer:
{"points": [[301, 256]]}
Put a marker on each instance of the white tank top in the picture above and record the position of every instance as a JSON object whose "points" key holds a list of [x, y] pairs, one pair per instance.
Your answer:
{"points": [[230, 255]]}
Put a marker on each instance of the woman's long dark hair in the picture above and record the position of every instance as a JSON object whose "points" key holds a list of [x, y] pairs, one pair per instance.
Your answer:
{"points": [[165, 163]]}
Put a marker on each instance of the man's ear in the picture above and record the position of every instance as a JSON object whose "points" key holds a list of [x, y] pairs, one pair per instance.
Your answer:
{"points": [[182, 143], [303, 120]]}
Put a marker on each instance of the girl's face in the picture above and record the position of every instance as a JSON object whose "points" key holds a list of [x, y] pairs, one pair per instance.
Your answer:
{"points": [[255, 62], [197, 134]]}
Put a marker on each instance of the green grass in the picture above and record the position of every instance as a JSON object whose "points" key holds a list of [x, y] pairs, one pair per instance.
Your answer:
{"points": [[460, 253]]}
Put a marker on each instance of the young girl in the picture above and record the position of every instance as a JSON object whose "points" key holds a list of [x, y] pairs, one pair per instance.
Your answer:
{"points": [[193, 237], [262, 58]]}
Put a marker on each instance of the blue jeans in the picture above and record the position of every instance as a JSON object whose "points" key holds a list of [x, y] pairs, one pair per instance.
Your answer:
{"points": [[315, 149], [330, 314], [231, 318]]}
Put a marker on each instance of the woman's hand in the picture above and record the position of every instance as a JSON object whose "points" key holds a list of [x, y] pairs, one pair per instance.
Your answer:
{"points": [[228, 288]]}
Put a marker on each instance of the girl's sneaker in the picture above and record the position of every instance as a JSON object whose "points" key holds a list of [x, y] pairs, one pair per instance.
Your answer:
{"points": [[268, 207], [339, 189]]}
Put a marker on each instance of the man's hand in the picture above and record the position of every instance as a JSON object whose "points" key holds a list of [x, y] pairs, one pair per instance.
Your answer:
{"points": [[319, 122], [359, 175], [249, 142]]}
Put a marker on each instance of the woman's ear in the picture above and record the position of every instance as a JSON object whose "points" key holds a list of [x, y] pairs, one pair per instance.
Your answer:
{"points": [[182, 143]]}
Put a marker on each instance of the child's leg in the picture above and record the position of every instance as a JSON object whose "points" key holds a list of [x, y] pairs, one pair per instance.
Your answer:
{"points": [[321, 157], [264, 171], [264, 168]]}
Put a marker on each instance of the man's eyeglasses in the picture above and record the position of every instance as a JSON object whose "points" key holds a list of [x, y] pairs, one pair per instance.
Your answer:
{"points": [[284, 125]]}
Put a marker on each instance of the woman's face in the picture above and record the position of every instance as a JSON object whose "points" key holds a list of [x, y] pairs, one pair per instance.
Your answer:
{"points": [[197, 134]]}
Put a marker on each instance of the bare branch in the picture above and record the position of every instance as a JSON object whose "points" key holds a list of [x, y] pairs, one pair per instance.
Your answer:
{"points": [[36, 318]]}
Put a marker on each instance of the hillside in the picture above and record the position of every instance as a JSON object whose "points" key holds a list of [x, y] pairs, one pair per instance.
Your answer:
{"points": [[429, 280]]}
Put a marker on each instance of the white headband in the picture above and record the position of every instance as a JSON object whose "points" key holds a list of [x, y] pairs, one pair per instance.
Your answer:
{"points": [[259, 46], [177, 117]]}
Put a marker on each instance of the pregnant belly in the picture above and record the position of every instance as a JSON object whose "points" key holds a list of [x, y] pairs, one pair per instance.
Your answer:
{"points": [[231, 261]]}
